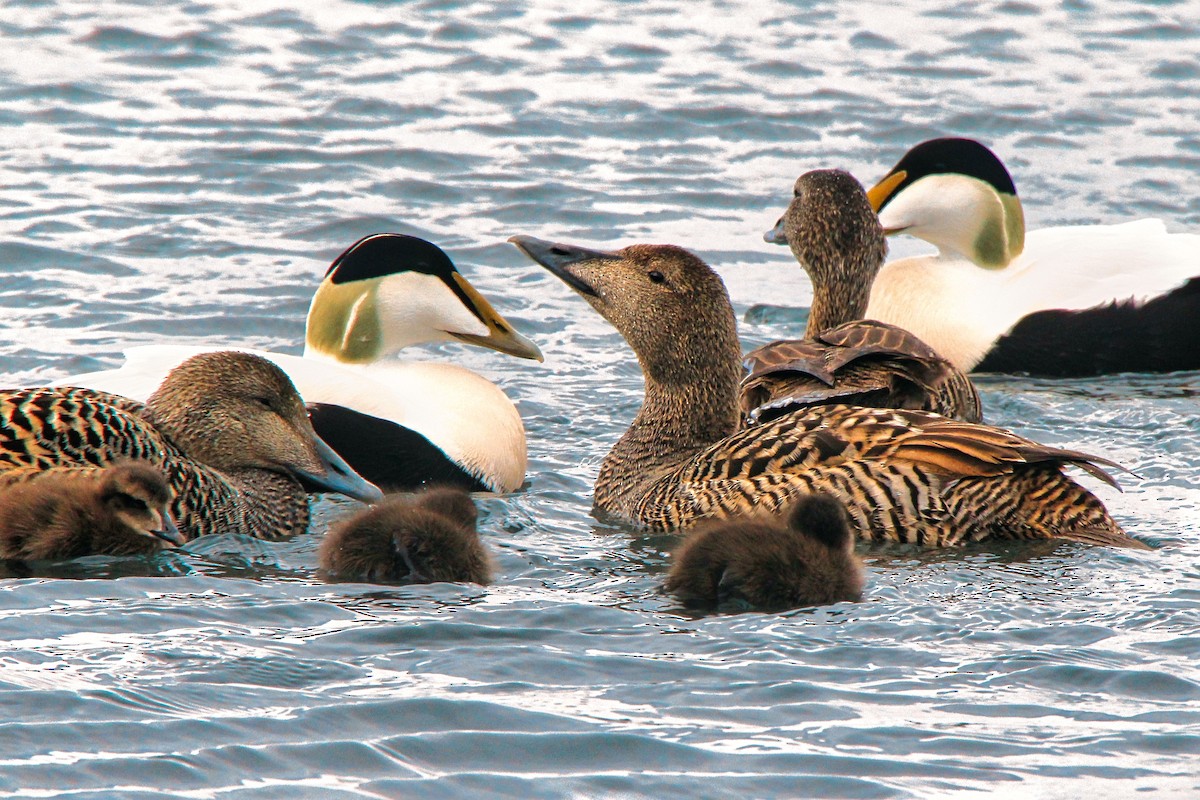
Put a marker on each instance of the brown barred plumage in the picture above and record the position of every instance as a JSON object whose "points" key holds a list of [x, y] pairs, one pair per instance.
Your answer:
{"points": [[904, 475], [227, 429], [837, 238]]}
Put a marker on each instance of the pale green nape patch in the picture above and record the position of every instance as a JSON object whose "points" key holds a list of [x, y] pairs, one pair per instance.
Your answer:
{"points": [[343, 321], [1001, 236]]}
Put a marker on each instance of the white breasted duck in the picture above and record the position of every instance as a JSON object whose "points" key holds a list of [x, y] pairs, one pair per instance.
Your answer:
{"points": [[1063, 301], [400, 424]]}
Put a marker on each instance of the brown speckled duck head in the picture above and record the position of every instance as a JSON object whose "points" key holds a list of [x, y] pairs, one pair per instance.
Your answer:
{"points": [[236, 411], [138, 495], [836, 236], [667, 303]]}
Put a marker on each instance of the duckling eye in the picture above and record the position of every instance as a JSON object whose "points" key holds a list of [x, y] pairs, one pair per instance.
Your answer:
{"points": [[134, 504], [656, 276]]}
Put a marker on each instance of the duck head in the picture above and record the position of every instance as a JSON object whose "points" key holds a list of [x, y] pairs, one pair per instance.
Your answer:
{"points": [[139, 496], [956, 194], [388, 291], [669, 305], [235, 411]]}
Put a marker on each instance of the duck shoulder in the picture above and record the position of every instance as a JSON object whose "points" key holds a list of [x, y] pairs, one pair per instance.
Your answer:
{"points": [[862, 362]]}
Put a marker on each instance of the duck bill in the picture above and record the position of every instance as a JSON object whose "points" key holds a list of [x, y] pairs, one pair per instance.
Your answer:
{"points": [[879, 194], [776, 234], [168, 532], [559, 259], [334, 475], [501, 335]]}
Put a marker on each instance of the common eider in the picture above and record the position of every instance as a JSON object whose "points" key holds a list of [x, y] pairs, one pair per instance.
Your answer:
{"points": [[1063, 301], [429, 538], [118, 510], [770, 564], [843, 358], [227, 429], [904, 475], [400, 424]]}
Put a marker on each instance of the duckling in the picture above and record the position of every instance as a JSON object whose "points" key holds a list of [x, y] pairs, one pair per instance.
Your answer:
{"points": [[400, 424], [903, 475], [227, 429], [1059, 302], [118, 510], [843, 358], [429, 538], [770, 565]]}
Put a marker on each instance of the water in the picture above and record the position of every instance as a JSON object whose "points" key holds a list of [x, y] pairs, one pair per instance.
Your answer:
{"points": [[183, 170]]}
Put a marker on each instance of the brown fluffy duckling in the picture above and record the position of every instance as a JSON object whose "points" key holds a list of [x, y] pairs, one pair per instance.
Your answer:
{"points": [[843, 358], [769, 564], [119, 510], [227, 429], [429, 538]]}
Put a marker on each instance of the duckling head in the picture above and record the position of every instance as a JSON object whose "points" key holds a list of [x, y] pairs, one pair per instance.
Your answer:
{"points": [[138, 495], [235, 411], [956, 194], [669, 305], [453, 504], [823, 518], [388, 291]]}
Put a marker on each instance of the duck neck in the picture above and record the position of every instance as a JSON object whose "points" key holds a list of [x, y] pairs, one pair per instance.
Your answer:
{"points": [[836, 302]]}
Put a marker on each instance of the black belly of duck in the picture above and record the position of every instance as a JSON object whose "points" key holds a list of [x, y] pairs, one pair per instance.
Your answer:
{"points": [[389, 455], [1160, 335]]}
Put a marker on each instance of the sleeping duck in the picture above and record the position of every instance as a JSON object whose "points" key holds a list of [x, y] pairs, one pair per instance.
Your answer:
{"points": [[118, 510], [770, 564], [428, 538], [903, 475], [227, 429], [399, 424], [843, 358], [1063, 301]]}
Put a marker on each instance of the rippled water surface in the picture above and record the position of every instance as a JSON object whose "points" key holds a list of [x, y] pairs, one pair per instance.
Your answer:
{"points": [[186, 170]]}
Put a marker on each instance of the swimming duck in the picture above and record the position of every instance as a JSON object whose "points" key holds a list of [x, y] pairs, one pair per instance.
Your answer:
{"points": [[843, 358], [118, 510], [770, 564], [1063, 301], [399, 424], [227, 429], [429, 538], [904, 475]]}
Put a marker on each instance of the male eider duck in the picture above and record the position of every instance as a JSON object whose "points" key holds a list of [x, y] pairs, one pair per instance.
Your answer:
{"points": [[429, 538], [1064, 301], [904, 475], [770, 564], [400, 424], [227, 429], [843, 358], [119, 510]]}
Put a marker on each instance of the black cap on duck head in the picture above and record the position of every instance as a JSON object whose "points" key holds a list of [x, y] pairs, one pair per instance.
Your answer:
{"points": [[233, 410], [822, 517], [948, 155], [668, 304], [382, 254]]}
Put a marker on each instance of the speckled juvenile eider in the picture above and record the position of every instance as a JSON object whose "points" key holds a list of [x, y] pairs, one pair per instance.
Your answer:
{"points": [[118, 510], [770, 564], [843, 358], [227, 429], [429, 538], [1063, 301], [399, 424], [903, 475]]}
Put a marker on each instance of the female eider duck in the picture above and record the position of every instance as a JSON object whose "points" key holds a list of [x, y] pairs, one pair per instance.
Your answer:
{"points": [[1059, 302], [770, 564], [119, 510], [400, 424], [227, 429], [904, 475], [843, 358], [429, 538]]}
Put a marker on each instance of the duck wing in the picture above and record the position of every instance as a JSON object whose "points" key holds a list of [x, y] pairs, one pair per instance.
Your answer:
{"points": [[864, 363]]}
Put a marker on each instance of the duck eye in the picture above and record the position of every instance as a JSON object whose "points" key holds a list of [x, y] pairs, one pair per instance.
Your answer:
{"points": [[656, 276]]}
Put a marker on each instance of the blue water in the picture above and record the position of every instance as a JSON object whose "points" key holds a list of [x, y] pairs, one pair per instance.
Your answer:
{"points": [[186, 170]]}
